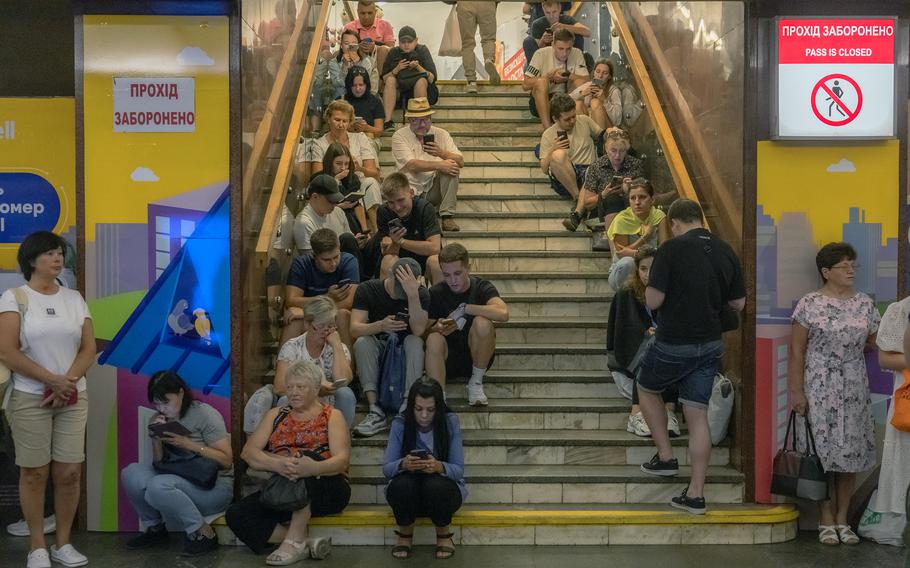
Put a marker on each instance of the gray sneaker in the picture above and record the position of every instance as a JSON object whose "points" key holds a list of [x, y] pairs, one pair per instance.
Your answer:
{"points": [[373, 424]]}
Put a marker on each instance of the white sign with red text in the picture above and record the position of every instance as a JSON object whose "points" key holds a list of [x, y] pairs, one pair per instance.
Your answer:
{"points": [[154, 104], [835, 78]]}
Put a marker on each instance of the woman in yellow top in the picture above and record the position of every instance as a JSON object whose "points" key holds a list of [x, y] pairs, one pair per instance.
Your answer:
{"points": [[641, 223]]}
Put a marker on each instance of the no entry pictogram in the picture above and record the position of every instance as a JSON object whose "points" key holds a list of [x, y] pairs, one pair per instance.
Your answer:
{"points": [[839, 101]]}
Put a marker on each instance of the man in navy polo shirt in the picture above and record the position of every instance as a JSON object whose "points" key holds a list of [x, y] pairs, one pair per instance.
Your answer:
{"points": [[327, 271]]}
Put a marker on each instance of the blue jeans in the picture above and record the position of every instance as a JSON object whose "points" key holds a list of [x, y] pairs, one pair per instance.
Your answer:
{"points": [[690, 367], [159, 497]]}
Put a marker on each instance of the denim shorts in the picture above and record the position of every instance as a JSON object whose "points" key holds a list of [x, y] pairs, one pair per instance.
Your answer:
{"points": [[690, 367], [558, 187]]}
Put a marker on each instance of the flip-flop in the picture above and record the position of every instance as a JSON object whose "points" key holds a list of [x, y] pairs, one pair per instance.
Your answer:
{"points": [[279, 558], [846, 534], [446, 551], [827, 534], [407, 549]]}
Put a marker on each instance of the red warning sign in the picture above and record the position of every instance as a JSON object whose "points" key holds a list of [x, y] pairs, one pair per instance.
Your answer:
{"points": [[837, 99]]}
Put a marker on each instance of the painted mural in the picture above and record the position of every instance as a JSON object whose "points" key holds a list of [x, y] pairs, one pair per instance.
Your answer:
{"points": [[156, 228], [809, 196]]}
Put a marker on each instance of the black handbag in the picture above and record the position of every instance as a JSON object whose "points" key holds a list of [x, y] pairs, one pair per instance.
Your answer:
{"points": [[280, 493], [799, 474], [196, 469]]}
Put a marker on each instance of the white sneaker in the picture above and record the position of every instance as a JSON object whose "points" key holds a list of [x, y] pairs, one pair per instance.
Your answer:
{"points": [[20, 527], [476, 396], [373, 424], [637, 425], [471, 87], [673, 425], [68, 556], [38, 558]]}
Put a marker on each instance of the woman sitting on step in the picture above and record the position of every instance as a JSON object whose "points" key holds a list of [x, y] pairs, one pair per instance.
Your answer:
{"points": [[424, 463], [305, 443], [628, 324]]}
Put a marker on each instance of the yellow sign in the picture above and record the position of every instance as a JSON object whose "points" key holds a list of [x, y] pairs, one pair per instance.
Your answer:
{"points": [[37, 171]]}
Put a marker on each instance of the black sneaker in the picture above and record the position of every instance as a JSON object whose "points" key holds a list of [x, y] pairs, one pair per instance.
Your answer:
{"points": [[152, 536], [572, 221], [197, 544], [694, 505], [389, 125], [657, 466]]}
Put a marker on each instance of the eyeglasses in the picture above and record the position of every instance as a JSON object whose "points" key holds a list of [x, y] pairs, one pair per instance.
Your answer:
{"points": [[617, 134], [848, 266]]}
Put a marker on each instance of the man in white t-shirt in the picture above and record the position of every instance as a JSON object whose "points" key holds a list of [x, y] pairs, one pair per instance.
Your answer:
{"points": [[559, 68], [567, 147], [320, 212], [428, 156]]}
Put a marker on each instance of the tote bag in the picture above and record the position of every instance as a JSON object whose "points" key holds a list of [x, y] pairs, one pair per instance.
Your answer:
{"points": [[451, 37], [799, 474]]}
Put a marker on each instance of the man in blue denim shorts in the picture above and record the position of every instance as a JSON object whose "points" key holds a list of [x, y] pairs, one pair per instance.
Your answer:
{"points": [[567, 147], [693, 276]]}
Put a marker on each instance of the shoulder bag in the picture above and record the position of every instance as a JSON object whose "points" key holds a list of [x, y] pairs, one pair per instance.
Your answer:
{"points": [[6, 374], [280, 493], [196, 469], [799, 473]]}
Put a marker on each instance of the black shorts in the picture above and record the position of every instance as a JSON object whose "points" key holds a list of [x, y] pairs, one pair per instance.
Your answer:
{"points": [[458, 362]]}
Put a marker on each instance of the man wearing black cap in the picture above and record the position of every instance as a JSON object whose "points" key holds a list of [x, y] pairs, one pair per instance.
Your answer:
{"points": [[320, 211], [408, 70], [394, 304]]}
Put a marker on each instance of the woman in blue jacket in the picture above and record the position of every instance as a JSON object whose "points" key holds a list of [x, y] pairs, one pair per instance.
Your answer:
{"points": [[424, 463]]}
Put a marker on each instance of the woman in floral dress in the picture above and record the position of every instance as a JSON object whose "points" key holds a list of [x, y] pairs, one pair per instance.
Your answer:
{"points": [[828, 383]]}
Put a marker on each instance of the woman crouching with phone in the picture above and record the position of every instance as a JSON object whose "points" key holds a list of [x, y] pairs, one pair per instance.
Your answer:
{"points": [[424, 463]]}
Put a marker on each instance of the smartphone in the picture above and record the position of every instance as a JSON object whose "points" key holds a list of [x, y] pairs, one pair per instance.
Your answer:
{"points": [[616, 181], [565, 73], [159, 430], [353, 48], [597, 82], [548, 31], [345, 283], [338, 383], [428, 138], [402, 316], [447, 321], [395, 224], [419, 454], [353, 197], [562, 134], [359, 119], [367, 40]]}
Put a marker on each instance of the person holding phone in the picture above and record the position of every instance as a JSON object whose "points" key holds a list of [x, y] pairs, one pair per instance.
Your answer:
{"points": [[424, 463], [408, 72], [47, 341], [182, 425], [567, 146], [369, 114], [429, 158], [377, 306], [321, 211], [600, 98], [608, 181], [558, 69], [362, 196], [321, 343], [348, 57], [462, 339], [552, 18], [340, 115]]}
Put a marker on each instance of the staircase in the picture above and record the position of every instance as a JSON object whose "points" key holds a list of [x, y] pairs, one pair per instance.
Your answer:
{"points": [[549, 460]]}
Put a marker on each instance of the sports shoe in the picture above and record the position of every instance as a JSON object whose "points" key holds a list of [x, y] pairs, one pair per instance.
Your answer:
{"points": [[657, 466], [373, 424], [68, 556], [490, 68], [673, 425], [476, 396], [694, 505], [20, 527], [388, 125], [637, 425], [471, 87], [152, 536], [197, 544], [38, 558], [449, 225], [572, 222]]}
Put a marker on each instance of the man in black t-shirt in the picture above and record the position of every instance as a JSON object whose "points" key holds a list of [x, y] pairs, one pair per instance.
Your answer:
{"points": [[695, 276], [462, 340], [407, 227], [382, 306]]}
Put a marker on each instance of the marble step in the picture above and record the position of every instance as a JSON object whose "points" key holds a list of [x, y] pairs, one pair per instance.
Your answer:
{"points": [[487, 113], [473, 186], [557, 305], [521, 125], [512, 88], [505, 99], [512, 240], [540, 385], [511, 221], [549, 524], [548, 282], [499, 170], [587, 330], [489, 136], [534, 261], [546, 447], [550, 357], [565, 484], [472, 154], [511, 203]]}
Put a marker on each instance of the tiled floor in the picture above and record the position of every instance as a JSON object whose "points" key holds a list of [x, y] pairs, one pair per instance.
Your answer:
{"points": [[106, 551]]}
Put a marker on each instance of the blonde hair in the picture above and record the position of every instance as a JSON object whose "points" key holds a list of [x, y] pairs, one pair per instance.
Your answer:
{"points": [[306, 371], [320, 309], [394, 183], [339, 105]]}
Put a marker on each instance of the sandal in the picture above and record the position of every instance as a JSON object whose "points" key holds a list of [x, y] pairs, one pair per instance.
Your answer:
{"points": [[279, 558], [403, 551], [846, 534], [828, 535], [319, 547], [444, 552]]}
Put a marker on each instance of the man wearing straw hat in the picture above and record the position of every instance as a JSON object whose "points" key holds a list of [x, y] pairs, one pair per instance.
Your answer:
{"points": [[429, 158]]}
